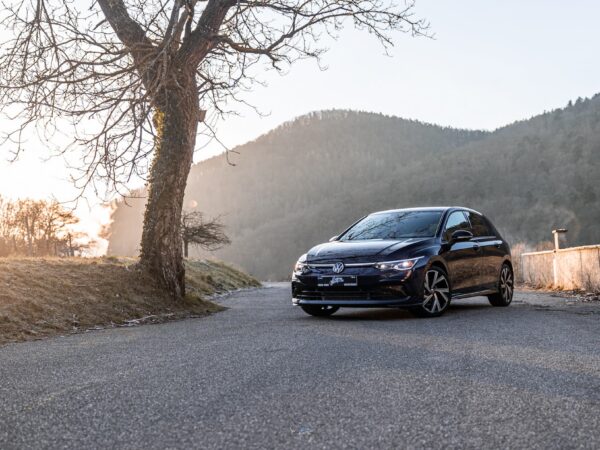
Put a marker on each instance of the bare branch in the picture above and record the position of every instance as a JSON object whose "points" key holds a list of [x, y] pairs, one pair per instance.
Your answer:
{"points": [[102, 73]]}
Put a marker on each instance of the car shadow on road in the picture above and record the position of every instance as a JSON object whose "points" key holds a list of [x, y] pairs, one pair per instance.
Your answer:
{"points": [[457, 307], [372, 314], [348, 314]]}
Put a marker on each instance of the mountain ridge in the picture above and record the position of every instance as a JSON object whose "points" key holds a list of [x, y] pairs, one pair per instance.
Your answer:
{"points": [[307, 179]]}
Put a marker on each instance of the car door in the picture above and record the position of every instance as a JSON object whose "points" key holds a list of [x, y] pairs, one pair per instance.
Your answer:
{"points": [[492, 253], [463, 258]]}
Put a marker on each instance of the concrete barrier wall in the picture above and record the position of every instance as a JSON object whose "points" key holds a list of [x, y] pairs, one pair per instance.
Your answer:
{"points": [[536, 268], [576, 268]]}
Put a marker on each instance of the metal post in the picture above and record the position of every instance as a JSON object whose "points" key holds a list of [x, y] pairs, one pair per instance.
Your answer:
{"points": [[556, 248]]}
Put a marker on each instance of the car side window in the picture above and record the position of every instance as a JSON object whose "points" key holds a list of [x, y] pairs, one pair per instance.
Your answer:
{"points": [[456, 221], [480, 225]]}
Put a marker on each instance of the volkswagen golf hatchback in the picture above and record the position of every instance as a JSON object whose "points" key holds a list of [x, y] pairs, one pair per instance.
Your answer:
{"points": [[417, 258]]}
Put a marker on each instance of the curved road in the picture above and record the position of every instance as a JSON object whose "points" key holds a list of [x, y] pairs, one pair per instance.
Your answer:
{"points": [[264, 375]]}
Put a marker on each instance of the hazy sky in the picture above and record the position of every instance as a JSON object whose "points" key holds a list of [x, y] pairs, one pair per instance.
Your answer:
{"points": [[491, 63]]}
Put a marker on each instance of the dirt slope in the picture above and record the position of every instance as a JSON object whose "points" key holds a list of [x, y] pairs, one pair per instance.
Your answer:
{"points": [[41, 297]]}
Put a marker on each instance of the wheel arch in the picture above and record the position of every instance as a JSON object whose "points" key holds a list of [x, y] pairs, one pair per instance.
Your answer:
{"points": [[508, 261], [439, 263]]}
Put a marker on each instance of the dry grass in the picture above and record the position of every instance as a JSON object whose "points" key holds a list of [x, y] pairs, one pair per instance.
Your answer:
{"points": [[42, 297]]}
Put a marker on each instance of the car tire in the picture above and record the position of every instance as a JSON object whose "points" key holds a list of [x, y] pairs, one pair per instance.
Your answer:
{"points": [[506, 287], [436, 294], [319, 311]]}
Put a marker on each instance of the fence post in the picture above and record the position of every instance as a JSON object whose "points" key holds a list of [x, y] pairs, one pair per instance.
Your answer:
{"points": [[556, 248]]}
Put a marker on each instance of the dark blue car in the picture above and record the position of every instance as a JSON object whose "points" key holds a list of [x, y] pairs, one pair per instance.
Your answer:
{"points": [[417, 258]]}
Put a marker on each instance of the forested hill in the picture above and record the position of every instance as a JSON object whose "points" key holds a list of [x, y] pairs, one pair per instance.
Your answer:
{"points": [[308, 179]]}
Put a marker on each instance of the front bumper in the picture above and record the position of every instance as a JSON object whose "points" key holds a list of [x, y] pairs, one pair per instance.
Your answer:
{"points": [[360, 303], [374, 289]]}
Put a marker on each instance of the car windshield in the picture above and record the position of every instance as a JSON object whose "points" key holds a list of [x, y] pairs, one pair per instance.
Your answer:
{"points": [[395, 225]]}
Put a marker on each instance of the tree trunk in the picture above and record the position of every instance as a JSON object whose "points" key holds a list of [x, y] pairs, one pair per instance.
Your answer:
{"points": [[29, 237], [186, 248], [176, 122]]}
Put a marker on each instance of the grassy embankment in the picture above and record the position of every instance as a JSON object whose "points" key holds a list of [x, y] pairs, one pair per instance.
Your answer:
{"points": [[43, 297]]}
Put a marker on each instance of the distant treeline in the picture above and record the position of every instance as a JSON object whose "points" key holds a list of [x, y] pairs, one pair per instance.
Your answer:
{"points": [[308, 179], [38, 228]]}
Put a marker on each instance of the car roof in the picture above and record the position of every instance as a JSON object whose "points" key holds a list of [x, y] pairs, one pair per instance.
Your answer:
{"points": [[428, 208]]}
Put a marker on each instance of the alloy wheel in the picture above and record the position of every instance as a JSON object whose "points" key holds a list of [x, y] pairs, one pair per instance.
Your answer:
{"points": [[506, 284], [436, 292]]}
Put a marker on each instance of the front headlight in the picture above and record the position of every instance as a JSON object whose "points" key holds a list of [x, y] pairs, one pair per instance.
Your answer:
{"points": [[403, 264], [301, 266]]}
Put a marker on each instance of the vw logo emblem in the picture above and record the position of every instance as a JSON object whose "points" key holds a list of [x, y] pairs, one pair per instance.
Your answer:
{"points": [[338, 267]]}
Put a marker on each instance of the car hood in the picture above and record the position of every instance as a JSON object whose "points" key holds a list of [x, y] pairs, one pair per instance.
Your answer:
{"points": [[368, 250]]}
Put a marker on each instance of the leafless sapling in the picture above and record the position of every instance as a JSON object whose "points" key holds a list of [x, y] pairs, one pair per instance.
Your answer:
{"points": [[208, 234]]}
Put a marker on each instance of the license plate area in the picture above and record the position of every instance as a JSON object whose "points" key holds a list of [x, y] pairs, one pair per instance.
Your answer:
{"points": [[337, 281]]}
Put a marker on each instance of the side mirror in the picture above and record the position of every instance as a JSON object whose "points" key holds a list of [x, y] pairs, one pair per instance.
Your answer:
{"points": [[461, 235], [334, 238]]}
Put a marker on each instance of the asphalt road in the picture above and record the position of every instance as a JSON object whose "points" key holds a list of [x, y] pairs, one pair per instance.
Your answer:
{"points": [[264, 375]]}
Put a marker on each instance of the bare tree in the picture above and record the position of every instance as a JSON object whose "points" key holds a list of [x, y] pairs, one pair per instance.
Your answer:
{"points": [[7, 231], [55, 227], [28, 218], [38, 228], [207, 234], [135, 77]]}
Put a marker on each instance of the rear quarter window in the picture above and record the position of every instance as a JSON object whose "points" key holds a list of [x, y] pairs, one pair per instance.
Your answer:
{"points": [[481, 226]]}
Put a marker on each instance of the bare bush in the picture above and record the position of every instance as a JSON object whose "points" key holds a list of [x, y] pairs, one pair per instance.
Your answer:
{"points": [[206, 234], [516, 251]]}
